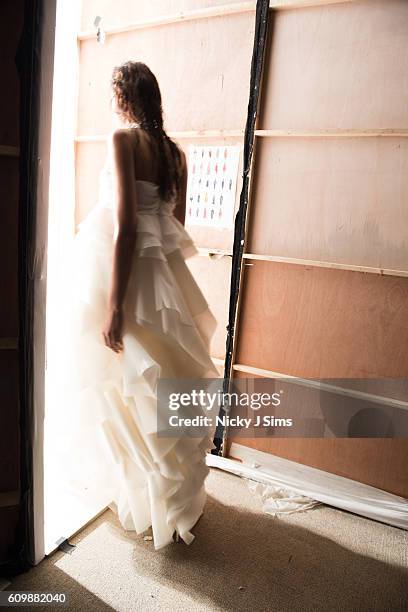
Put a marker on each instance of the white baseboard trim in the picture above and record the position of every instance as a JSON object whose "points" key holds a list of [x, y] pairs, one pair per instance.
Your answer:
{"points": [[327, 488]]}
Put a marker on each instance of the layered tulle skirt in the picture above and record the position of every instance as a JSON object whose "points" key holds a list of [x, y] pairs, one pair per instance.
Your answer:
{"points": [[151, 480]]}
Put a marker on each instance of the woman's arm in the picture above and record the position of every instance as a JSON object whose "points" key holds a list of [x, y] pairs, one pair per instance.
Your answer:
{"points": [[124, 192], [180, 209]]}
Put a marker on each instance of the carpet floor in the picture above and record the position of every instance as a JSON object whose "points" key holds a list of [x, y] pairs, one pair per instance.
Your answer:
{"points": [[242, 559]]}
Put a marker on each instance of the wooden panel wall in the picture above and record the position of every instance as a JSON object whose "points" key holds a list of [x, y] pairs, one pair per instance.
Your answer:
{"points": [[334, 200], [337, 66], [329, 196], [202, 63], [202, 89], [315, 322], [11, 21], [380, 463]]}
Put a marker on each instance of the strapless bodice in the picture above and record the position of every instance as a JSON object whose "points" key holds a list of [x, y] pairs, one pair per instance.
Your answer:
{"points": [[159, 232], [149, 201]]}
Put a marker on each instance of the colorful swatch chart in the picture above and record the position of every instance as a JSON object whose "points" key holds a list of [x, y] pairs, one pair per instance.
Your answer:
{"points": [[212, 184]]}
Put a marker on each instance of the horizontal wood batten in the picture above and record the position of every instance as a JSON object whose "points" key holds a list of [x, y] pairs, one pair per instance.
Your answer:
{"points": [[182, 16], [327, 264], [315, 384], [218, 361], [208, 134], [334, 133], [9, 151], [176, 135], [296, 4], [205, 13]]}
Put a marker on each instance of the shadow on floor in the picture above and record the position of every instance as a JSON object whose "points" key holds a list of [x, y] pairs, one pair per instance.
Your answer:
{"points": [[241, 560]]}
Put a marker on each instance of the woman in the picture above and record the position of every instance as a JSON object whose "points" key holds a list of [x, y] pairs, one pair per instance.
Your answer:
{"points": [[140, 316]]}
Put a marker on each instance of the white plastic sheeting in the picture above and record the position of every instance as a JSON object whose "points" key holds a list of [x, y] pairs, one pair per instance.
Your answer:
{"points": [[281, 500], [321, 486]]}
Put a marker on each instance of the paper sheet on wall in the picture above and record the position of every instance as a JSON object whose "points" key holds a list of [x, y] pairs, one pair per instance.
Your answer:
{"points": [[212, 185]]}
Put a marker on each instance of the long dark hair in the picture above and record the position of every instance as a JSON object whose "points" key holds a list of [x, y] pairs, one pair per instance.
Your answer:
{"points": [[138, 97]]}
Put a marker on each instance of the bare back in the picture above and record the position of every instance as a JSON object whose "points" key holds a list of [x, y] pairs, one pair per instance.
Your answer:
{"points": [[145, 152]]}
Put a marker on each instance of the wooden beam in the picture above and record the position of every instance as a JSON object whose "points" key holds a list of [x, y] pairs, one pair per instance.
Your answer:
{"points": [[329, 133], [327, 264], [187, 134], [296, 4], [334, 133], [180, 17], [260, 50], [207, 134], [322, 386], [205, 13], [218, 361]]}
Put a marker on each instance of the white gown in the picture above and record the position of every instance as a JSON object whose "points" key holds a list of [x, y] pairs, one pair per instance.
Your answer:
{"points": [[151, 480]]}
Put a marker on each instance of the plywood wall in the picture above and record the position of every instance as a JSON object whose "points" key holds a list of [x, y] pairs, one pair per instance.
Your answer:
{"points": [[334, 200], [316, 322], [203, 67], [202, 89], [323, 206]]}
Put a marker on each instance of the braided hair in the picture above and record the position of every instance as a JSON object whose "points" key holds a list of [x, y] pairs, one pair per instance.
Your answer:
{"points": [[139, 99]]}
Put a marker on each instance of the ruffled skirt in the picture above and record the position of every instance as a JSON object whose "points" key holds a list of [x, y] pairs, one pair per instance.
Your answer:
{"points": [[150, 480]]}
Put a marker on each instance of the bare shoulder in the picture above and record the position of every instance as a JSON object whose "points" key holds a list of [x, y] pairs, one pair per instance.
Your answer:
{"points": [[120, 146], [121, 137]]}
